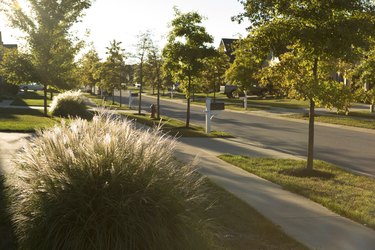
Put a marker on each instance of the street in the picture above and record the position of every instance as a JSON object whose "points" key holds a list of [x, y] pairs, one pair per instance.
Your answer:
{"points": [[347, 148]]}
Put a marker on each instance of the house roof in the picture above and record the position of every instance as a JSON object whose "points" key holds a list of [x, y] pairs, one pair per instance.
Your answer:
{"points": [[226, 45]]}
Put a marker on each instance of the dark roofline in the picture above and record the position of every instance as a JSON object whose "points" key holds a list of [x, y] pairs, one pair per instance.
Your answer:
{"points": [[10, 46]]}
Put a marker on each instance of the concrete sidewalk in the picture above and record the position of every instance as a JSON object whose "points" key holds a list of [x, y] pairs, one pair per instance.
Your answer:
{"points": [[306, 221], [311, 224]]}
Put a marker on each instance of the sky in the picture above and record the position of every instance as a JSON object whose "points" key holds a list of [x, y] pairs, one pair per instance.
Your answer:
{"points": [[123, 20]]}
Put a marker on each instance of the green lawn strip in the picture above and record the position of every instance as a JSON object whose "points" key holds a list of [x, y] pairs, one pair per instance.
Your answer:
{"points": [[236, 225], [100, 102], [30, 99], [280, 103], [24, 120], [345, 193], [359, 120], [30, 102], [175, 127]]}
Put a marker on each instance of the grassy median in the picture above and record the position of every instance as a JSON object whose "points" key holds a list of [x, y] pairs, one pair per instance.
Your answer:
{"points": [[345, 193], [175, 127], [359, 120]]}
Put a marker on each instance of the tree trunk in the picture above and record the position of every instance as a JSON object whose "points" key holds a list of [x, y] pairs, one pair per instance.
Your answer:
{"points": [[158, 101], [45, 100], [120, 97], [140, 88], [310, 148], [188, 103], [113, 96]]}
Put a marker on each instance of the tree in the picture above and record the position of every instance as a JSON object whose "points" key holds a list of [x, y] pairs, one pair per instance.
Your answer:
{"points": [[213, 72], [308, 35], [88, 69], [17, 67], [364, 74], [143, 46], [187, 46], [155, 62], [46, 24], [113, 69]]}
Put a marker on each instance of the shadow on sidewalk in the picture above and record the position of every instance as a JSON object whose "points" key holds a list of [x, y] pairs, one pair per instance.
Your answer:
{"points": [[7, 236]]}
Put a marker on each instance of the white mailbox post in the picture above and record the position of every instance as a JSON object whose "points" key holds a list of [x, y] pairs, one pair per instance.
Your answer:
{"points": [[130, 99], [211, 110], [131, 96], [244, 98]]}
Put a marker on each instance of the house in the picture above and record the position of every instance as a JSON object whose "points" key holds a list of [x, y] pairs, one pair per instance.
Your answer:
{"points": [[2, 48], [227, 45], [6, 46]]}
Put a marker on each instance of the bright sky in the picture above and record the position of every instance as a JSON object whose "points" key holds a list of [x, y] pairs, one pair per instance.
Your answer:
{"points": [[123, 20]]}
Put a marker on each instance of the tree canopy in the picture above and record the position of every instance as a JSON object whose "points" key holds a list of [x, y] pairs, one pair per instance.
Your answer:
{"points": [[310, 37], [47, 25], [188, 44]]}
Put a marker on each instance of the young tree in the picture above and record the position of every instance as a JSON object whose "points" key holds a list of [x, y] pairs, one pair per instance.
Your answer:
{"points": [[155, 62], [113, 69], [46, 24], [143, 46], [308, 35], [212, 75], [187, 46], [17, 67], [88, 69], [364, 74]]}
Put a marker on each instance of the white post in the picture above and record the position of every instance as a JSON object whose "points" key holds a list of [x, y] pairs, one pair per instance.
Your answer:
{"points": [[245, 100], [371, 108], [130, 99], [208, 115]]}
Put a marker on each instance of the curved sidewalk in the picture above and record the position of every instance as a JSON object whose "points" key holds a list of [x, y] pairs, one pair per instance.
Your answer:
{"points": [[308, 222]]}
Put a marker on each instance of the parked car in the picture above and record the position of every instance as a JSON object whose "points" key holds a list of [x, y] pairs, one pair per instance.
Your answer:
{"points": [[228, 90], [31, 86]]}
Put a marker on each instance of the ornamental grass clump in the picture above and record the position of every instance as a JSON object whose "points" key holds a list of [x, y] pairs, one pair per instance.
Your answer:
{"points": [[70, 104], [103, 184]]}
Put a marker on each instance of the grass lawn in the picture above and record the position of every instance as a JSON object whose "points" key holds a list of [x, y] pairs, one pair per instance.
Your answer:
{"points": [[175, 127], [107, 103], [233, 224], [280, 103], [30, 99], [24, 120], [360, 120], [347, 194]]}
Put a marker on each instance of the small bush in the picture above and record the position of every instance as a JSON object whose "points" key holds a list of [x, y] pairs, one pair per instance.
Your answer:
{"points": [[104, 185], [70, 104]]}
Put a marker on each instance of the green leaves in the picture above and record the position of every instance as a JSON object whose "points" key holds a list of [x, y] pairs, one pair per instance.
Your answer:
{"points": [[18, 67], [112, 71], [187, 45]]}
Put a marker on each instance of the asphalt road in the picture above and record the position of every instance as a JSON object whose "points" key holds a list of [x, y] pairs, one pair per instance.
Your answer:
{"points": [[347, 148]]}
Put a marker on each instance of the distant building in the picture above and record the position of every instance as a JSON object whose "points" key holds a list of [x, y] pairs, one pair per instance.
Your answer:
{"points": [[227, 45], [2, 48], [6, 46]]}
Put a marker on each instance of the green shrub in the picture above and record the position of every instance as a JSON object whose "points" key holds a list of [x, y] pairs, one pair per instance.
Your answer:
{"points": [[104, 185], [69, 104]]}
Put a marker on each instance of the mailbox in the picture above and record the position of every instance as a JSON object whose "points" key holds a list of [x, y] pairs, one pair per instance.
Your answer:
{"points": [[217, 106]]}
